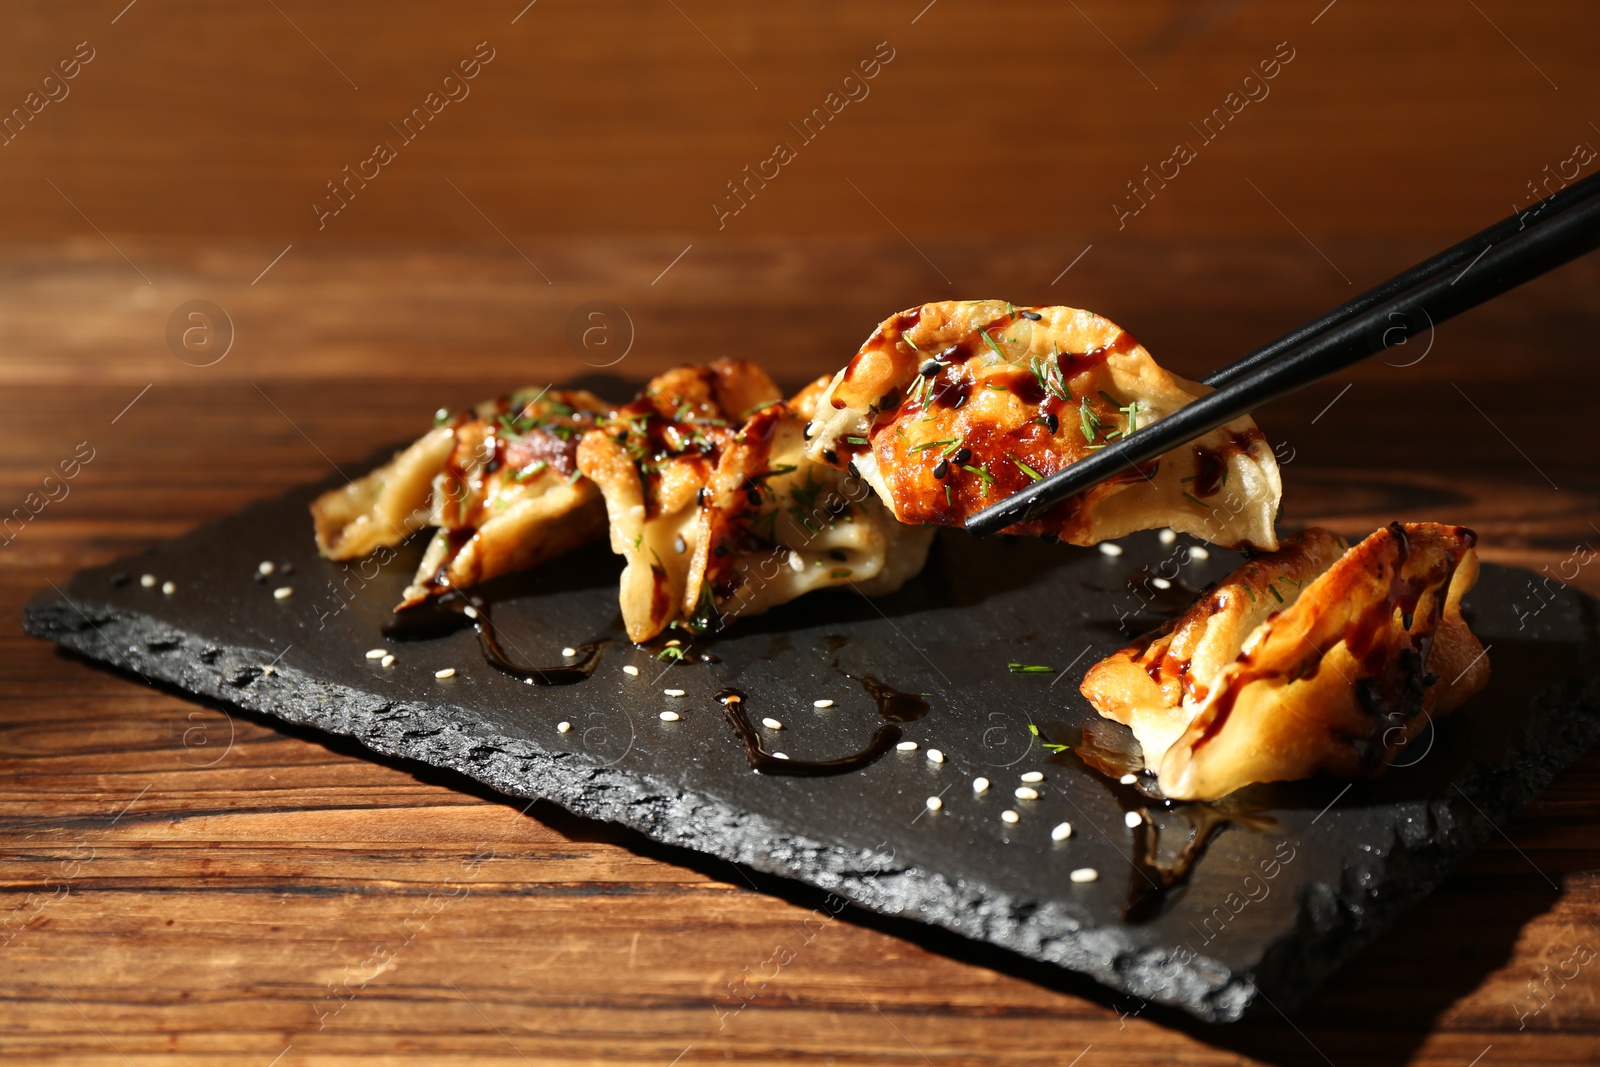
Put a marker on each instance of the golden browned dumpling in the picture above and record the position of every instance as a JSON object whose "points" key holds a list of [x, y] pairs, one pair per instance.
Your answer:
{"points": [[499, 481], [954, 406], [1312, 659], [719, 514]]}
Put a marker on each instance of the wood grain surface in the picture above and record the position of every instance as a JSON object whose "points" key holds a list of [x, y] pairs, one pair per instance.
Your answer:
{"points": [[188, 884]]}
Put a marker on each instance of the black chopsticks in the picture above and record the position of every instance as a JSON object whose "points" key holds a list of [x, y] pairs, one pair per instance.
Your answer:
{"points": [[1502, 257]]}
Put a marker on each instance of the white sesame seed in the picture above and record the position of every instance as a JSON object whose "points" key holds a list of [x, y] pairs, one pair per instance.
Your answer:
{"points": [[1196, 552], [527, 681], [780, 755], [670, 716], [673, 692], [629, 668], [563, 727], [1009, 816], [148, 581], [1167, 536], [1033, 776], [674, 643], [448, 672], [377, 653], [1110, 548], [771, 723], [569, 652], [169, 588], [822, 703], [935, 756], [387, 661], [1085, 874], [265, 567], [269, 669], [283, 592], [980, 785], [470, 612], [934, 803], [1128, 779], [1025, 792], [796, 564], [1161, 583], [1061, 832], [1132, 819], [907, 746]]}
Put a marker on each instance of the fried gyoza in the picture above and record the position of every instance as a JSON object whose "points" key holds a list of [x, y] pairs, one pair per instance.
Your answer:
{"points": [[718, 513], [499, 481], [1315, 658], [951, 407]]}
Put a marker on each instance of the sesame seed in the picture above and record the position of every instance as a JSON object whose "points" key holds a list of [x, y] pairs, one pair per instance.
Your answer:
{"points": [[1132, 819], [169, 588], [980, 785], [269, 669], [822, 703], [1085, 874], [387, 661], [1009, 816], [731, 698], [1061, 832], [1025, 792], [1110, 548], [670, 716], [569, 652], [265, 567], [934, 803], [630, 669], [1167, 536], [148, 581], [780, 755], [448, 672], [673, 692], [796, 564], [1161, 583], [1033, 776], [470, 612], [377, 653], [771, 723], [1128, 779], [935, 756], [563, 727], [1196, 552], [907, 746], [674, 643], [283, 592]]}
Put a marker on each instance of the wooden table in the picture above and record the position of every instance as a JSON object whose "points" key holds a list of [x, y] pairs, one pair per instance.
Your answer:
{"points": [[187, 883]]}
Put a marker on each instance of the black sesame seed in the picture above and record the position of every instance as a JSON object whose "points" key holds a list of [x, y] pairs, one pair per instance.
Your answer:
{"points": [[700, 496], [830, 457], [120, 579], [930, 368], [962, 455], [942, 469], [1052, 423], [720, 551], [837, 554], [753, 495], [1033, 315], [851, 467], [808, 431], [287, 568]]}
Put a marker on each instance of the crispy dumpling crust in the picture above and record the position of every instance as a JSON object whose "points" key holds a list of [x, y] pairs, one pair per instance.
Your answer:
{"points": [[1312, 659], [953, 406], [499, 481], [717, 511]]}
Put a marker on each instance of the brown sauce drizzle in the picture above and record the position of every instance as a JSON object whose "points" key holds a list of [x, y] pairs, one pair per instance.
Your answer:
{"points": [[764, 762], [1113, 752], [448, 614]]}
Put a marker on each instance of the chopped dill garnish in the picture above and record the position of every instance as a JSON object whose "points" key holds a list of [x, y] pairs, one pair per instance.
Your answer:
{"points": [[840, 572], [1088, 421], [988, 479], [1273, 589], [984, 333], [1194, 499], [1025, 469], [1029, 668], [857, 441], [924, 446], [671, 652]]}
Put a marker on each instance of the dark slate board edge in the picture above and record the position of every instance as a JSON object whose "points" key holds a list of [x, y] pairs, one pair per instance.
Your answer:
{"points": [[1564, 726], [1204, 987]]}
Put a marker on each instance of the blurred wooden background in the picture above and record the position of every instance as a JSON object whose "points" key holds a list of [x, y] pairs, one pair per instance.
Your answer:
{"points": [[181, 163]]}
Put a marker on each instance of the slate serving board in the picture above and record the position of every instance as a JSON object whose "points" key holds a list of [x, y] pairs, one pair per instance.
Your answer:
{"points": [[1271, 908]]}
